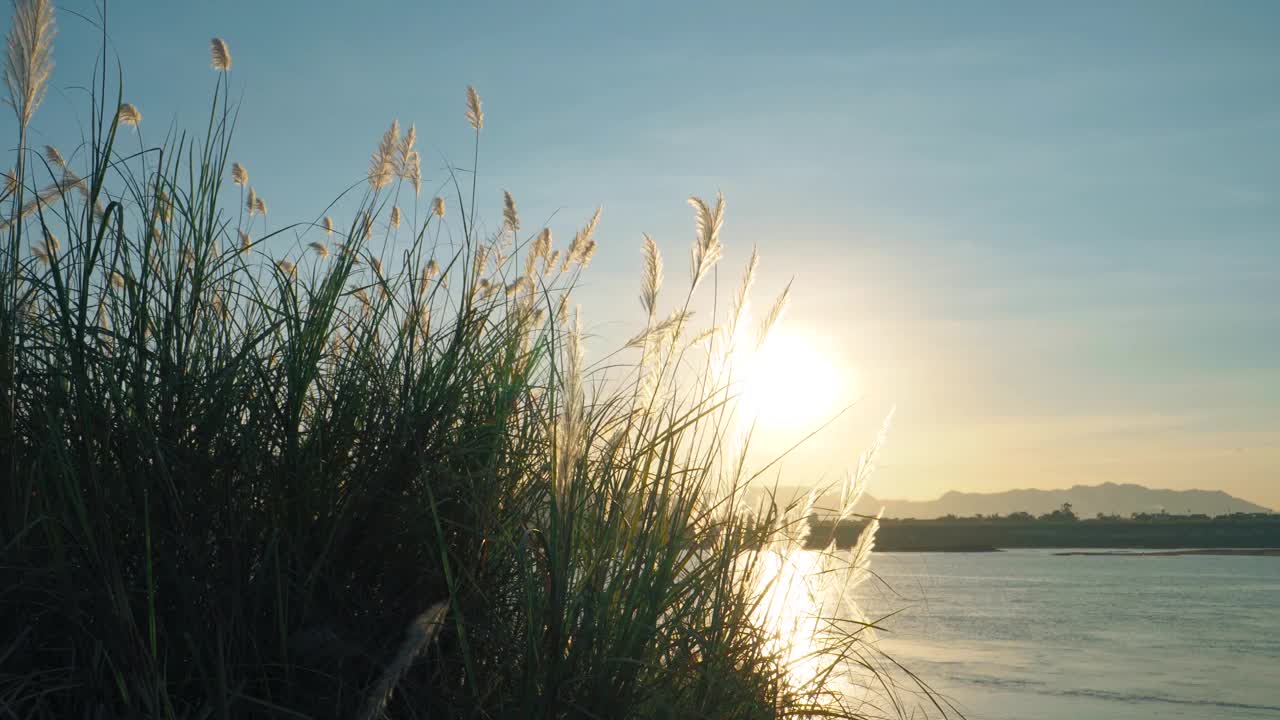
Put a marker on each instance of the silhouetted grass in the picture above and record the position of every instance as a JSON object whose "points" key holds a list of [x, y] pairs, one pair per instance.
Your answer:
{"points": [[325, 483]]}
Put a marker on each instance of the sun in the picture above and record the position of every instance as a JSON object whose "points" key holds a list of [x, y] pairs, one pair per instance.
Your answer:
{"points": [[791, 382]]}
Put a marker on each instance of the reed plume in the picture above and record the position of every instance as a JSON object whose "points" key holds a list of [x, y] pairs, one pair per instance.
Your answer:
{"points": [[328, 225], [117, 281], [860, 555], [54, 157], [320, 249], [775, 314], [538, 252], [741, 300], [652, 275], [419, 635], [382, 164], [510, 217], [542, 245], [46, 196], [671, 327], [395, 216], [29, 57], [251, 202], [414, 173], [475, 114], [404, 149], [260, 206], [437, 206], [583, 245], [363, 296], [288, 268], [706, 247], [239, 175], [571, 418], [128, 114], [246, 243], [219, 54], [856, 484], [429, 273], [409, 162]]}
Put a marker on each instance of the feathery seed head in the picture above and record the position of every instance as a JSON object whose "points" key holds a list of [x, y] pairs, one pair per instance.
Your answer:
{"points": [[219, 54], [164, 205], [29, 56], [652, 275], [320, 249], [475, 114], [395, 216], [328, 225], [246, 243], [376, 264], [706, 247], [382, 165], [54, 157], [578, 249], [251, 202], [404, 146], [437, 206], [509, 215], [775, 315], [260, 206], [408, 164], [117, 280], [286, 267], [542, 245], [219, 307], [741, 300], [128, 114], [429, 272], [239, 175], [413, 172]]}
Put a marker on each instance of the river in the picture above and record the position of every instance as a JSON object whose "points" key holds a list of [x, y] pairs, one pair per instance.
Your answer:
{"points": [[1028, 634]]}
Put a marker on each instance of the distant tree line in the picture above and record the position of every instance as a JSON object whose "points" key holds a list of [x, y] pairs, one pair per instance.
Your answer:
{"points": [[1059, 528]]}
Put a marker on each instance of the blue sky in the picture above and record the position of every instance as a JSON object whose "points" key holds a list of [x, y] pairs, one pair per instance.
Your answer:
{"points": [[1046, 232]]}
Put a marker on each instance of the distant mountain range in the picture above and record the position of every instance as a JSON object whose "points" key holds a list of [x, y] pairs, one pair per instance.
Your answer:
{"points": [[1086, 501]]}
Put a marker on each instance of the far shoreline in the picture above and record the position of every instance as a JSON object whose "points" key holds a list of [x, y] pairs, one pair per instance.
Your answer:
{"points": [[1251, 552]]}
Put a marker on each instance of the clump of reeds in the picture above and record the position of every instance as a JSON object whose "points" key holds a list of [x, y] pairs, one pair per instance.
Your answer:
{"points": [[237, 469]]}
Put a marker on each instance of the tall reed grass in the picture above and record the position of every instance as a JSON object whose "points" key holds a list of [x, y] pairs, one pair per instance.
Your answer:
{"points": [[368, 473]]}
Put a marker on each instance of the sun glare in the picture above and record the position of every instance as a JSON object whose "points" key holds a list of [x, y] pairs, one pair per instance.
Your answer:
{"points": [[791, 382]]}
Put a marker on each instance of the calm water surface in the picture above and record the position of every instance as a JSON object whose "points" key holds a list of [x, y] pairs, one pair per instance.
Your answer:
{"points": [[1026, 634]]}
